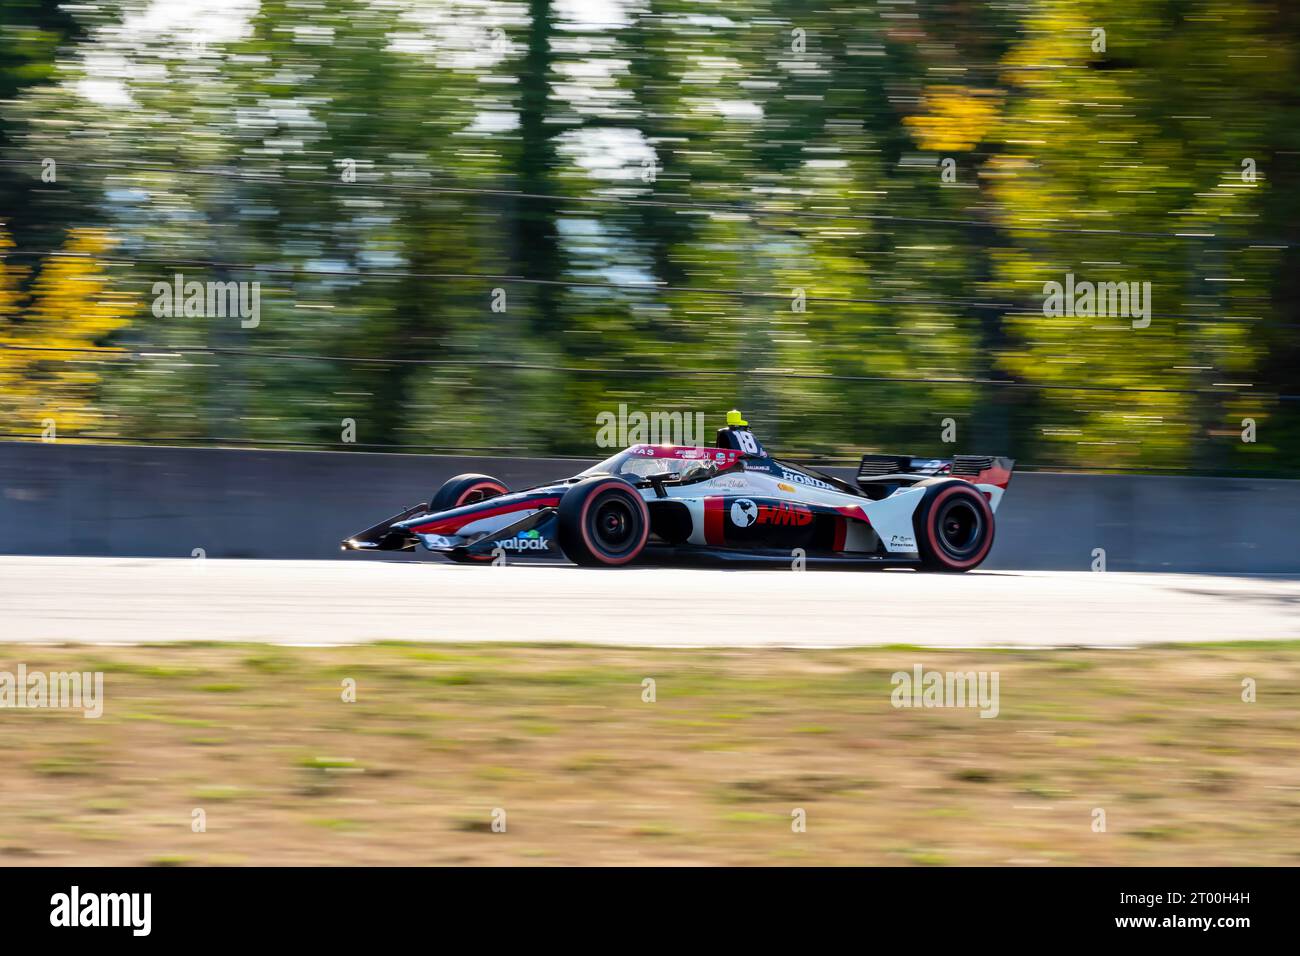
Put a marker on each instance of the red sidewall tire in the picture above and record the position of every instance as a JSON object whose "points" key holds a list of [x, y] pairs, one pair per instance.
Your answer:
{"points": [[468, 558], [928, 534], [458, 491], [494, 487], [576, 539]]}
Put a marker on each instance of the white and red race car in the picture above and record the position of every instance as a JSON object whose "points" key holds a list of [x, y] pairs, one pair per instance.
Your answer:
{"points": [[731, 501]]}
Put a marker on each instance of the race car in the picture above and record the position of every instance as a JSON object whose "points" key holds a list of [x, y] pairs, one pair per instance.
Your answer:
{"points": [[732, 501]]}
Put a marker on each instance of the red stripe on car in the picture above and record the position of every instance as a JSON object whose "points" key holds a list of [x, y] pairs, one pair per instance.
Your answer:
{"points": [[715, 513], [454, 522], [853, 512], [841, 532], [993, 476]]}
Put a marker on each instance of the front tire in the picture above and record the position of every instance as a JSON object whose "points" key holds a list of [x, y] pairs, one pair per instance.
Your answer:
{"points": [[464, 557], [603, 522], [465, 490], [954, 526]]}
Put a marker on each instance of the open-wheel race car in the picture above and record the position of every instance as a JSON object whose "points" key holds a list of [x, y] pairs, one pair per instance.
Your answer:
{"points": [[734, 501]]}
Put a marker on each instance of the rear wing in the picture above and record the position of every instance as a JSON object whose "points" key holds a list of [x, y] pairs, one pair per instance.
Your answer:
{"points": [[877, 470]]}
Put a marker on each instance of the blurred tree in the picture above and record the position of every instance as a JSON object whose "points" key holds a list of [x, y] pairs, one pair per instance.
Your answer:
{"points": [[73, 304], [1116, 131], [848, 200], [33, 35]]}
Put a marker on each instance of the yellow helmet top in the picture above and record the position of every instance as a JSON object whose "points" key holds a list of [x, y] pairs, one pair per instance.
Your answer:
{"points": [[734, 419]]}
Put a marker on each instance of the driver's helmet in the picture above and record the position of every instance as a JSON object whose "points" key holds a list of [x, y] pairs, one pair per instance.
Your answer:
{"points": [[697, 468]]}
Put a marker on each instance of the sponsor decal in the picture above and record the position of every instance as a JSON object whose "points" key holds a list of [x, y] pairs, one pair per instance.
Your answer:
{"points": [[929, 464], [743, 512], [785, 513], [902, 541], [805, 480], [724, 457], [524, 541], [784, 487]]}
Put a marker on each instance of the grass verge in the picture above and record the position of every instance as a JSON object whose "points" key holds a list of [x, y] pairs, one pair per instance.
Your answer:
{"points": [[258, 743]]}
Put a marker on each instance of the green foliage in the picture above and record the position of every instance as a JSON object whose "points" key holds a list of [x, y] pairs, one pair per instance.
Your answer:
{"points": [[931, 173]]}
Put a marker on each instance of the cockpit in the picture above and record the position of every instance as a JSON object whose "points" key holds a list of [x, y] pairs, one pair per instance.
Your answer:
{"points": [[657, 462]]}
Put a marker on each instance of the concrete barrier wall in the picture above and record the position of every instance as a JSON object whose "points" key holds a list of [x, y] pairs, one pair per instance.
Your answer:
{"points": [[131, 501]]}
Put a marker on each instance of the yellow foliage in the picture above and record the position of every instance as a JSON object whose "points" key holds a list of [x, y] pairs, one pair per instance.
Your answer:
{"points": [[955, 119], [72, 305]]}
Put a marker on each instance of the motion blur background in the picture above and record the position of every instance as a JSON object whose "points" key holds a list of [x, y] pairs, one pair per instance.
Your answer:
{"points": [[477, 226], [649, 185]]}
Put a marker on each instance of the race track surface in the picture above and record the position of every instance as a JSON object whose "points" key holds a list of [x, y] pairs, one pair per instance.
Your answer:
{"points": [[122, 600]]}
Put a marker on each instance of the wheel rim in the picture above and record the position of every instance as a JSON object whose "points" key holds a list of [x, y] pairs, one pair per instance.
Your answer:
{"points": [[960, 528], [476, 494], [613, 525]]}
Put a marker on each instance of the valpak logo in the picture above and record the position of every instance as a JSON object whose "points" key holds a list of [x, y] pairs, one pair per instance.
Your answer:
{"points": [[524, 541], [103, 909]]}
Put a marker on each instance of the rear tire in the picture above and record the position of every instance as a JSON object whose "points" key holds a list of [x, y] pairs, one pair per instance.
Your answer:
{"points": [[603, 522], [465, 490], [954, 526]]}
